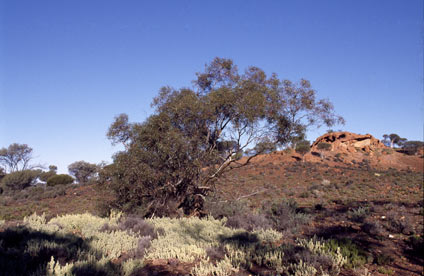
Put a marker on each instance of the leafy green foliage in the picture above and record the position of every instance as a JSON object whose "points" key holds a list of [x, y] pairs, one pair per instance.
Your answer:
{"points": [[266, 146], [355, 255], [46, 175], [60, 179], [83, 171], [323, 147], [194, 137], [303, 147], [16, 157], [393, 139], [20, 180], [359, 214]]}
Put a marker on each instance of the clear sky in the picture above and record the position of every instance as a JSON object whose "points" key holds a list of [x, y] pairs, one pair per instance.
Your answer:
{"points": [[68, 67]]}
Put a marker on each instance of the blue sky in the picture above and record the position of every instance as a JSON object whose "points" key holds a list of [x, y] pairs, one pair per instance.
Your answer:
{"points": [[68, 67]]}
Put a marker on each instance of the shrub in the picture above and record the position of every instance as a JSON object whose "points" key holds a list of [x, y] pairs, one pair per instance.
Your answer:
{"points": [[44, 176], [358, 215], [373, 228], [303, 147], [399, 222], [323, 147], [219, 208], [20, 180], [354, 255], [284, 215], [138, 226], [60, 179], [249, 222], [383, 259], [416, 243], [55, 191]]}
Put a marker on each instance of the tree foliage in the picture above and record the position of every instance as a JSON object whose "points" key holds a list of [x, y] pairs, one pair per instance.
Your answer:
{"points": [[412, 147], [16, 157], [60, 179], [44, 176], [393, 139], [303, 147], [265, 146], [298, 109], [83, 171], [20, 179], [323, 147], [2, 173], [196, 135]]}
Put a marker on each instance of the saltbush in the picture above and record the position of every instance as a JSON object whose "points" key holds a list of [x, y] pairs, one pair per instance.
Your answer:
{"points": [[284, 215], [77, 245], [219, 208], [358, 215], [373, 228], [249, 222], [354, 255], [399, 222], [60, 179]]}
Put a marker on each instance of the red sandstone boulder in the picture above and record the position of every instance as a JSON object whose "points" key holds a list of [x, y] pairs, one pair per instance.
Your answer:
{"points": [[349, 142]]}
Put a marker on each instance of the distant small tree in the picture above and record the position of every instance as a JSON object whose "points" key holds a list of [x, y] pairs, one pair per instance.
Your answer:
{"points": [[323, 147], [16, 157], [393, 139], [83, 171], [303, 147]]}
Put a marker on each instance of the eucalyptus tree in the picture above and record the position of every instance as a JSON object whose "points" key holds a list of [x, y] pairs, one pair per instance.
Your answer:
{"points": [[195, 135], [16, 157]]}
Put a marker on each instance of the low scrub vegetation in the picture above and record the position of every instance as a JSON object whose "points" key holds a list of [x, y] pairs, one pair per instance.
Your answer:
{"points": [[88, 245]]}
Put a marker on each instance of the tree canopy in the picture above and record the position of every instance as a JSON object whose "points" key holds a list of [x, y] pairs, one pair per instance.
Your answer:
{"points": [[195, 135], [83, 171], [393, 139], [16, 157]]}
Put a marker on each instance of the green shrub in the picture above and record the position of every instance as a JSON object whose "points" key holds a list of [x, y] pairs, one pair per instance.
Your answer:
{"points": [[355, 256], [44, 176], [303, 147], [358, 215], [20, 180], [324, 146], [284, 215], [59, 180]]}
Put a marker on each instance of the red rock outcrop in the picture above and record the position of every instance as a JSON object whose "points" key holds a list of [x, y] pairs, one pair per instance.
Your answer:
{"points": [[349, 142]]}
